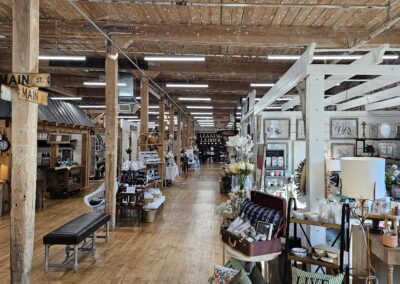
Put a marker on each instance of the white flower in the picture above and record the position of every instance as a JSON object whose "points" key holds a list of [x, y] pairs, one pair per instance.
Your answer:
{"points": [[394, 167], [392, 178], [396, 173], [250, 167], [242, 165]]}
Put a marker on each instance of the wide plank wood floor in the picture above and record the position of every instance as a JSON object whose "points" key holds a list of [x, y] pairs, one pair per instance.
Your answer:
{"points": [[181, 248]]}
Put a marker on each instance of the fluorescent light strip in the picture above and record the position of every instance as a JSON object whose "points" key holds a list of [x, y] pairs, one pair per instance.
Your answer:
{"points": [[201, 113], [326, 57], [195, 99], [92, 106], [262, 84], [154, 106], [153, 112], [62, 57], [101, 84], [284, 99], [273, 107], [138, 98], [174, 85], [203, 117], [66, 98], [127, 117], [134, 120], [199, 107], [175, 58]]}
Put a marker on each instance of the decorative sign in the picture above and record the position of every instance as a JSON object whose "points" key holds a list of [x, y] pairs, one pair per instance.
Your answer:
{"points": [[26, 79], [209, 138], [32, 95], [5, 93]]}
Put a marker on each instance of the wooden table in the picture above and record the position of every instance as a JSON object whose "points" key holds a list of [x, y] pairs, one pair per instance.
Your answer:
{"points": [[390, 256]]}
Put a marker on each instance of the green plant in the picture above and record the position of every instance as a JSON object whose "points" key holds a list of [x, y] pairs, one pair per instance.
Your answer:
{"points": [[369, 149]]}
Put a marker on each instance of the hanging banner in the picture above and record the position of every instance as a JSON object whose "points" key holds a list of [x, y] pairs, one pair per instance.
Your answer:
{"points": [[27, 79], [32, 95], [5, 93]]}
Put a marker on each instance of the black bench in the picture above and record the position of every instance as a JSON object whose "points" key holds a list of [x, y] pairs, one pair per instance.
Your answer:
{"points": [[72, 234]]}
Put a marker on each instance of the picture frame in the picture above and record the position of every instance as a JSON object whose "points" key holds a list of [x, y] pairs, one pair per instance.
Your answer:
{"points": [[340, 150], [276, 129], [360, 145], [373, 131], [300, 131], [387, 150], [279, 146], [343, 128]]}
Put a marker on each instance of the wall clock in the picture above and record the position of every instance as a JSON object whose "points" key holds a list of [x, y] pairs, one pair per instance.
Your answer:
{"points": [[4, 143]]}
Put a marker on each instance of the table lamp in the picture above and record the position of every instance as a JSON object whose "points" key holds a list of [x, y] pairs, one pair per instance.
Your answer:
{"points": [[363, 178]]}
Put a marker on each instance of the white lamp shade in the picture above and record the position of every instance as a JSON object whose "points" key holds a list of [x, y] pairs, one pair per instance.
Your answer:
{"points": [[333, 165], [363, 177]]}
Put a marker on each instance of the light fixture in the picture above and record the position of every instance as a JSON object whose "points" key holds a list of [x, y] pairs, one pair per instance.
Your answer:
{"points": [[326, 57], [258, 99], [134, 120], [176, 85], [199, 107], [239, 107], [92, 106], [138, 98], [205, 121], [195, 99], [175, 58], [101, 84], [153, 112], [273, 107], [238, 113], [155, 106], [284, 99], [66, 98], [262, 84], [201, 113], [203, 117], [127, 117], [62, 57]]}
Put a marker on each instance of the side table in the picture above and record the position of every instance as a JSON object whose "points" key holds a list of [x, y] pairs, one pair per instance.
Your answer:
{"points": [[266, 258], [390, 256]]}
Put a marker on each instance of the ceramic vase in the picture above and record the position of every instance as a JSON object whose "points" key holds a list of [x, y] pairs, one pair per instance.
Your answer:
{"points": [[385, 129]]}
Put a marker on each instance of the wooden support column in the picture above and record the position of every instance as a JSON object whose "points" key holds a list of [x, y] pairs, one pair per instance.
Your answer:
{"points": [[161, 138], [172, 127], [53, 154], [144, 106], [184, 130], [25, 53], [315, 159], [86, 157], [179, 141], [111, 135]]}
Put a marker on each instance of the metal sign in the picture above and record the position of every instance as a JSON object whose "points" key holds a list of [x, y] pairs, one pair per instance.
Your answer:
{"points": [[5, 93], [32, 95], [27, 79]]}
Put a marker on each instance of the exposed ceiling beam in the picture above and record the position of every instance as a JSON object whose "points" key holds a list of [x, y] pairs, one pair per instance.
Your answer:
{"points": [[383, 104]]}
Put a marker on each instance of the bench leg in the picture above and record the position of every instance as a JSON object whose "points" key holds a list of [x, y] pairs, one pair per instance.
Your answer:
{"points": [[67, 250], [46, 257], [75, 267], [93, 243], [107, 231]]}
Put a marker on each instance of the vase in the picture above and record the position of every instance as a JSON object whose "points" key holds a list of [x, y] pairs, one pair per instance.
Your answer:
{"points": [[385, 129], [395, 192]]}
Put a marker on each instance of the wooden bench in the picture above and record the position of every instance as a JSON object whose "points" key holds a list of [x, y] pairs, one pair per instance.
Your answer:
{"points": [[73, 234]]}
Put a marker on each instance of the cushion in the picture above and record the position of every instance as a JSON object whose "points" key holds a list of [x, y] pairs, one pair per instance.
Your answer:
{"points": [[253, 212], [95, 201], [223, 275], [303, 277]]}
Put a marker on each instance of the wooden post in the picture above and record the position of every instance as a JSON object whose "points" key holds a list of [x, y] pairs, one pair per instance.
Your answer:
{"points": [[172, 127], [315, 159], [184, 132], [144, 106], [25, 52], [161, 127], [179, 141], [53, 154], [86, 157], [111, 135]]}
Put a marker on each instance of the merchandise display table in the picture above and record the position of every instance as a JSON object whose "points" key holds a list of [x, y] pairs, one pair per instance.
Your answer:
{"points": [[260, 258], [171, 172]]}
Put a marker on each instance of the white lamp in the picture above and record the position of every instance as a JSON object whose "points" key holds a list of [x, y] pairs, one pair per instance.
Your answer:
{"points": [[363, 177], [333, 165]]}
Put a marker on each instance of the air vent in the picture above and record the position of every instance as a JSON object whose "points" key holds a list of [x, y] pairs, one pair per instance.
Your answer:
{"points": [[56, 138]]}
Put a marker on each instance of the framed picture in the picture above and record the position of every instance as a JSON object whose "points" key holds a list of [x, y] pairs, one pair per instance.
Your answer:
{"points": [[340, 150], [360, 145], [373, 131], [300, 133], [344, 128], [387, 150], [276, 129]]}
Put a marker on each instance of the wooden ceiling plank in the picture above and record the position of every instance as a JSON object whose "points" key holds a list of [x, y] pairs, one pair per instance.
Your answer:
{"points": [[270, 14], [302, 15], [291, 14], [315, 13], [281, 13]]}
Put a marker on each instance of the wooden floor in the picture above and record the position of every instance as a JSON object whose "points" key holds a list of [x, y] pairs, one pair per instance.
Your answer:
{"points": [[181, 248]]}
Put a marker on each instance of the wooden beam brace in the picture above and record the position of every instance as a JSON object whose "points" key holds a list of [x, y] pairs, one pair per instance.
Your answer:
{"points": [[383, 104], [350, 70]]}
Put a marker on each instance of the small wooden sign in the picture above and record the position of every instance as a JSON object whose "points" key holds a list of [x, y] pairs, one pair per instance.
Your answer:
{"points": [[32, 95], [27, 79], [5, 93]]}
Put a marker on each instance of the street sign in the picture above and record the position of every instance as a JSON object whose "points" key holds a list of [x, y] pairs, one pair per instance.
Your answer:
{"points": [[32, 95], [26, 79], [5, 93]]}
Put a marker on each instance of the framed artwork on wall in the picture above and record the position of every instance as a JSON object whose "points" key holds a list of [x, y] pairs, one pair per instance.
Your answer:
{"points": [[300, 131], [340, 150], [344, 128], [280, 146], [276, 129], [387, 150], [373, 131]]}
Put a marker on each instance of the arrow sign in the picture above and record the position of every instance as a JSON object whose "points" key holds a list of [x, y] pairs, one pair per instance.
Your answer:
{"points": [[32, 95]]}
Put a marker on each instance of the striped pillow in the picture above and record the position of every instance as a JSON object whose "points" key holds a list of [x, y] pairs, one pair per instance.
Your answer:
{"points": [[303, 277]]}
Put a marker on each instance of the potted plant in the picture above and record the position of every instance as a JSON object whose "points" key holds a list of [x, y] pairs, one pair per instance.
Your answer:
{"points": [[370, 150], [392, 179]]}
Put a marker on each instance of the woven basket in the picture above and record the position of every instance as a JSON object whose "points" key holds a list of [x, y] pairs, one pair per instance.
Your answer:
{"points": [[150, 216]]}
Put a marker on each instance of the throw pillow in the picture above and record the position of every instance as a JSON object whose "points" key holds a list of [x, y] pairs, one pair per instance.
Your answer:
{"points": [[303, 277], [95, 201], [224, 275]]}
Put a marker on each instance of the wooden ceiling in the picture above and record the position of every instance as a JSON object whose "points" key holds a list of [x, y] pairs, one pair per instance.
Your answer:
{"points": [[235, 39]]}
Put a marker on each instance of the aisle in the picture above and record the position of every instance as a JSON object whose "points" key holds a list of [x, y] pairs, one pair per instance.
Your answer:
{"points": [[181, 248]]}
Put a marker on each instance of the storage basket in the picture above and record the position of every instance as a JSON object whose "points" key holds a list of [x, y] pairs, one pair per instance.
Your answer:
{"points": [[150, 215]]}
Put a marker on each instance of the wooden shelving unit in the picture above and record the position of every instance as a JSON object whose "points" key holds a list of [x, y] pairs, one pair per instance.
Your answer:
{"points": [[344, 236]]}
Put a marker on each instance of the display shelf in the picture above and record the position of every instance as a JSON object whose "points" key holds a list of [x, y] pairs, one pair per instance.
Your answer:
{"points": [[310, 260], [273, 177], [315, 223]]}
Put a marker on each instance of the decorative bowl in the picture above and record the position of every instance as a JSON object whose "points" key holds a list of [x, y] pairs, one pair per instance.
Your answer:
{"points": [[313, 216], [299, 252], [319, 252]]}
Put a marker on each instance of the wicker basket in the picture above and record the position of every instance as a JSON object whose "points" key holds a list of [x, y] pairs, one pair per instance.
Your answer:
{"points": [[150, 216]]}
